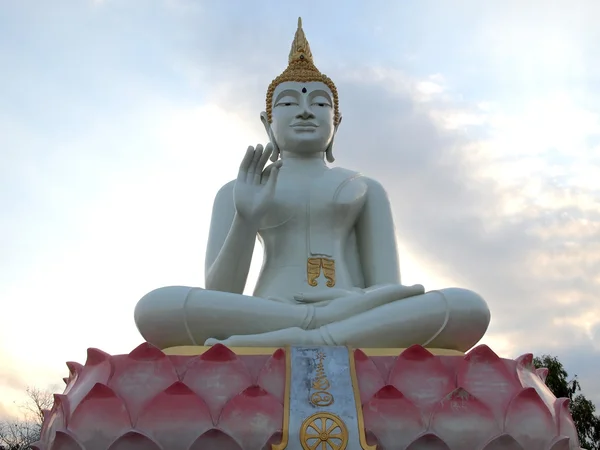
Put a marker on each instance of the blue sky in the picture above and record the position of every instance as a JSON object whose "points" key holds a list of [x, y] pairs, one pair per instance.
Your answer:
{"points": [[119, 121]]}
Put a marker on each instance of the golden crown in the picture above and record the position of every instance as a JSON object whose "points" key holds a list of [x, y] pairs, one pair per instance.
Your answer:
{"points": [[301, 68]]}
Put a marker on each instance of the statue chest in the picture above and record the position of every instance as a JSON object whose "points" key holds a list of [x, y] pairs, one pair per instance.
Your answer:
{"points": [[323, 209]]}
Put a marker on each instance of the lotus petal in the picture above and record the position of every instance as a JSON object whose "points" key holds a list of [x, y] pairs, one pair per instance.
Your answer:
{"points": [[272, 376], [529, 377], [542, 372], [503, 442], [485, 375], [215, 440], [460, 410], [262, 413], [100, 417], [140, 376], [391, 417], [428, 441], [368, 376], [56, 419], [175, 418], [98, 369], [561, 443], [74, 370], [64, 441], [421, 377], [529, 421], [134, 441], [216, 376], [564, 420]]}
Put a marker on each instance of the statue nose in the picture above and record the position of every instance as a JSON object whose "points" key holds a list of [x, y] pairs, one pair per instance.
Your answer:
{"points": [[306, 113]]}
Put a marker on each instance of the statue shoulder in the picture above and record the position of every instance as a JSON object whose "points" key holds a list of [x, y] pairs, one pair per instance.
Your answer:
{"points": [[225, 195], [374, 187]]}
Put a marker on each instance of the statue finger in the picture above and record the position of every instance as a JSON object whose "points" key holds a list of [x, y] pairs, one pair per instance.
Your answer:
{"points": [[245, 165], [273, 174], [261, 163], [255, 158]]}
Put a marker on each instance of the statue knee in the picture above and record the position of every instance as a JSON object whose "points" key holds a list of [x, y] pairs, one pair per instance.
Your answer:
{"points": [[159, 316], [468, 317]]}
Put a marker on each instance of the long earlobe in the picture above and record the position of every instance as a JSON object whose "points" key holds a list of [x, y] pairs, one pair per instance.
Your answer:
{"points": [[329, 152], [275, 154], [265, 121]]}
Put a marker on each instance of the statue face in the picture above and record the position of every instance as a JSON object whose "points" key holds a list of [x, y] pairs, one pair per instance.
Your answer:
{"points": [[302, 117]]}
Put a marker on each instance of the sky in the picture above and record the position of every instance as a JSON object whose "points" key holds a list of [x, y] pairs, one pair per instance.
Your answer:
{"points": [[121, 119]]}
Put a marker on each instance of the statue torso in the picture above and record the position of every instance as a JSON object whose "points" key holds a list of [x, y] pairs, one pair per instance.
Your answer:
{"points": [[312, 220]]}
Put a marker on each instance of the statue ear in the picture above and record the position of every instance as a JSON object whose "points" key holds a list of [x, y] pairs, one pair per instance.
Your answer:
{"points": [[265, 120], [329, 150]]}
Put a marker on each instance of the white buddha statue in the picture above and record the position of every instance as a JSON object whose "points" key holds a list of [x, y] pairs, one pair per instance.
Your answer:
{"points": [[330, 274]]}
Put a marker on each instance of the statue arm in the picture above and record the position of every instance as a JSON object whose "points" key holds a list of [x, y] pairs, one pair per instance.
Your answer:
{"points": [[376, 238], [231, 242]]}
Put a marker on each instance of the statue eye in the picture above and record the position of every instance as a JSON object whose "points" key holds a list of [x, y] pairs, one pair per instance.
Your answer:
{"points": [[287, 102]]}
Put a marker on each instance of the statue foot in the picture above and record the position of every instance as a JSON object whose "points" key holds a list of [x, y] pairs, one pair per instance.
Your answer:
{"points": [[287, 336]]}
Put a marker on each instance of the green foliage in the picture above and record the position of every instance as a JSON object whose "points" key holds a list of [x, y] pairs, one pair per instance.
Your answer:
{"points": [[583, 410]]}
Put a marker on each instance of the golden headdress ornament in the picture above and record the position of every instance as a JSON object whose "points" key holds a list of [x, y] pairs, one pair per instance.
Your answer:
{"points": [[301, 68]]}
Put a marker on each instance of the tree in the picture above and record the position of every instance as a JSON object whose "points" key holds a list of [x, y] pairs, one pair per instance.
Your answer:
{"points": [[19, 434], [582, 409]]}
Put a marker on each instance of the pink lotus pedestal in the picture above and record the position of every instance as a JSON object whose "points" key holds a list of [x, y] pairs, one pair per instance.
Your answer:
{"points": [[219, 400]]}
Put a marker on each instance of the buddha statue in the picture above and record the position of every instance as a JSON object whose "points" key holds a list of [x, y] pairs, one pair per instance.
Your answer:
{"points": [[330, 273]]}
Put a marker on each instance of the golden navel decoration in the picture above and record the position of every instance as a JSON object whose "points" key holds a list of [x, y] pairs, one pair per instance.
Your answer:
{"points": [[323, 431], [314, 267], [301, 68]]}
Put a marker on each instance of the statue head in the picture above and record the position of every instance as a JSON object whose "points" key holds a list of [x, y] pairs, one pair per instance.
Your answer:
{"points": [[302, 107]]}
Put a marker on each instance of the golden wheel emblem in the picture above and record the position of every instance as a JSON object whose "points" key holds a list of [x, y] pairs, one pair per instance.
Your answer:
{"points": [[323, 431]]}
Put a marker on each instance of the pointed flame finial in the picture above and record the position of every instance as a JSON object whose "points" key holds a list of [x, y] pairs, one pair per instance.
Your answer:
{"points": [[300, 47]]}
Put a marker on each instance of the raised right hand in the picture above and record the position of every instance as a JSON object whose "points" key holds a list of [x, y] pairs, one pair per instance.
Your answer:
{"points": [[254, 187]]}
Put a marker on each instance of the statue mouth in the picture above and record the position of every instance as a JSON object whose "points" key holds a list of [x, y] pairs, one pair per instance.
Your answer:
{"points": [[304, 125]]}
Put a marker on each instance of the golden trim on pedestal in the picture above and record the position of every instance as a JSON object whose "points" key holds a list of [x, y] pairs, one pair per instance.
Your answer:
{"points": [[285, 432], [193, 350], [324, 430]]}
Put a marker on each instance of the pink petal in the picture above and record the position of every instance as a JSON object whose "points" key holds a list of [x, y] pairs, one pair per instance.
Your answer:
{"points": [[561, 443], [564, 420], [503, 442], [272, 376], [216, 376], [56, 420], [392, 419], [486, 376], [429, 441], [369, 378], [460, 410], [140, 376], [529, 421], [252, 417], [542, 372], [64, 441], [529, 377], [215, 440], [134, 441], [98, 369], [175, 418], [99, 418], [421, 377]]}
